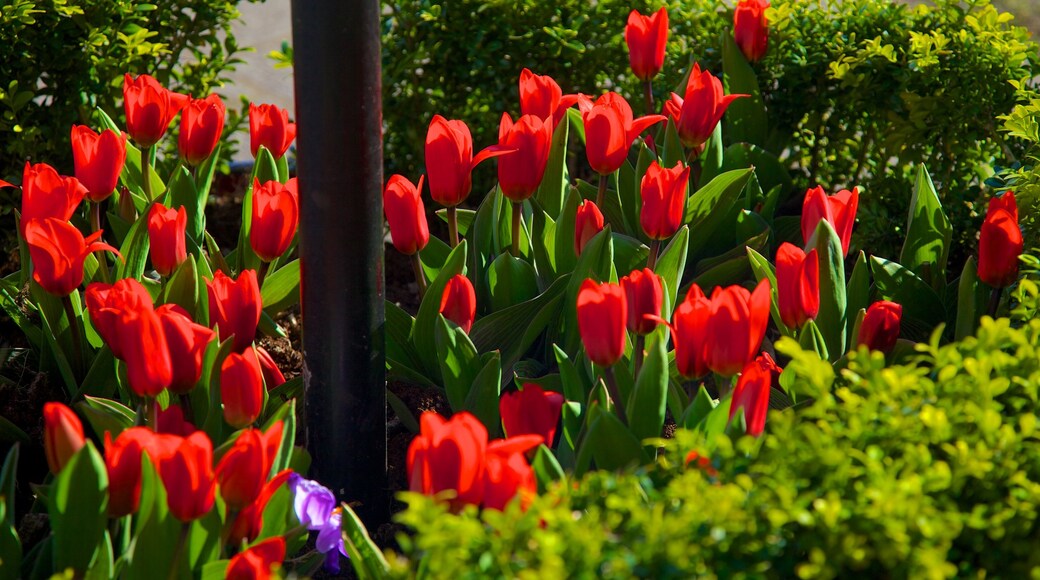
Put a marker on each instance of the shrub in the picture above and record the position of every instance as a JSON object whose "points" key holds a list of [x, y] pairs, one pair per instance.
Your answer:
{"points": [[922, 469], [858, 91]]}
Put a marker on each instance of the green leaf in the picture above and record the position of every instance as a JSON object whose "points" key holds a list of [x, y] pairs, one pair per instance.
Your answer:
{"points": [[463, 217], [182, 194], [968, 310], [698, 410], [923, 308], [671, 264], [134, 250], [64, 368], [672, 150], [282, 288], [183, 287], [764, 270], [546, 468], [769, 170], [711, 158], [155, 529], [746, 118], [857, 294], [928, 232], [106, 415], [402, 412], [612, 445], [78, 508], [10, 543], [708, 207], [554, 181], [429, 310], [365, 556], [482, 399], [812, 340], [398, 330], [11, 433], [564, 246], [265, 169], [832, 316], [646, 406], [459, 362], [511, 281], [8, 479]]}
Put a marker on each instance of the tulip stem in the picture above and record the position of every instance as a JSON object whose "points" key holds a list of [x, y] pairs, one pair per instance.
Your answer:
{"points": [[77, 336], [189, 412], [602, 191], [453, 226], [179, 550], [518, 213], [95, 226], [151, 413], [994, 301], [262, 273], [146, 173], [420, 278], [615, 393], [648, 94], [655, 250], [723, 385], [640, 345]]}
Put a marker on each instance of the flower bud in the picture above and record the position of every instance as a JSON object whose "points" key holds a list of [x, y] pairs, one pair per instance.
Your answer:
{"points": [[62, 435]]}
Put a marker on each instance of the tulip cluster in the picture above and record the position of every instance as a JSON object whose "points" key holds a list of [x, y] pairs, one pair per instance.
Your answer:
{"points": [[455, 455]]}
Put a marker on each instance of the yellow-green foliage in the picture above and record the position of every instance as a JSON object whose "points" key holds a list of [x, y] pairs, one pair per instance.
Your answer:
{"points": [[927, 469]]}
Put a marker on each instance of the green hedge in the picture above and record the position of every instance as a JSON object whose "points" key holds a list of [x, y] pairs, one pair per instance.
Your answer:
{"points": [[858, 91], [928, 468]]}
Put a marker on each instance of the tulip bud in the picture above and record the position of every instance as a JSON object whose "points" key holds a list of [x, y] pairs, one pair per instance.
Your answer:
{"points": [[269, 126], [752, 392], [602, 314], [1000, 242], [45, 194], [664, 200], [241, 388], [58, 250], [276, 213], [170, 421], [736, 326], [149, 108], [839, 210], [258, 561], [250, 521], [187, 342], [187, 475], [797, 284], [450, 160], [144, 347], [507, 473], [234, 307], [202, 122], [403, 205], [700, 109], [531, 411], [123, 464], [273, 376], [751, 28], [644, 295], [99, 159], [459, 302], [241, 473], [449, 454], [646, 37], [62, 435], [610, 130], [542, 97], [520, 173], [690, 333], [588, 221], [880, 327], [167, 238]]}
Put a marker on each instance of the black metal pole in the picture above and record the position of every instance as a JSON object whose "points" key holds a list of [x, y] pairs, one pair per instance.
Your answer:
{"points": [[340, 169]]}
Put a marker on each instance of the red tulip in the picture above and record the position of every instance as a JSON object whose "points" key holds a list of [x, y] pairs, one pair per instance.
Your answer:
{"points": [[45, 194], [542, 97], [690, 333], [700, 109], [880, 327], [450, 160], [839, 210], [187, 342], [797, 284], [610, 130], [644, 296], [269, 126], [520, 174], [256, 562], [202, 122], [106, 302], [751, 28], [1000, 242], [123, 463], [170, 421], [588, 221], [142, 342], [149, 108], [62, 435], [234, 307], [752, 393], [403, 205], [250, 521], [241, 388], [664, 199], [602, 314], [187, 474], [241, 472], [449, 454], [531, 411], [167, 238], [276, 213], [459, 302], [736, 326], [58, 250], [273, 376], [99, 159], [507, 473], [646, 37]]}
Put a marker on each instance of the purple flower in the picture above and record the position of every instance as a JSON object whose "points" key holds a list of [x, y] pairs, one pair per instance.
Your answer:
{"points": [[312, 501], [330, 541]]}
